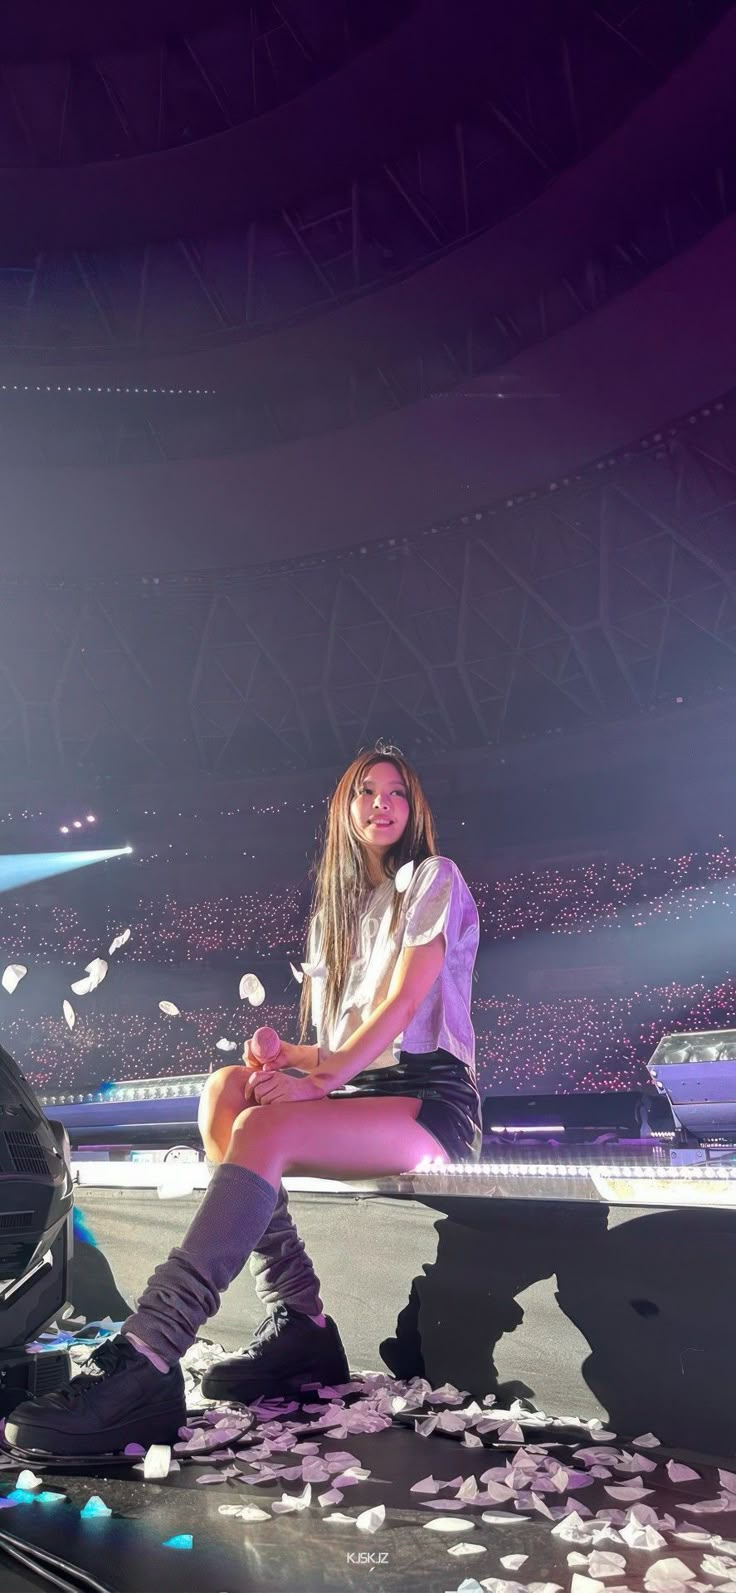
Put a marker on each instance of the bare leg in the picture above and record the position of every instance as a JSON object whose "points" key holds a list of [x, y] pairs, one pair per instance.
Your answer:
{"points": [[222, 1098]]}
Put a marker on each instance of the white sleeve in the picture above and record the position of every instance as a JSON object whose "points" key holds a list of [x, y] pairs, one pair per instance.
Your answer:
{"points": [[434, 903]]}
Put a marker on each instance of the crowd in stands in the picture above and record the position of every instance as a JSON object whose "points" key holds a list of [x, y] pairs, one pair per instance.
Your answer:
{"points": [[575, 1043], [559, 901], [581, 1041]]}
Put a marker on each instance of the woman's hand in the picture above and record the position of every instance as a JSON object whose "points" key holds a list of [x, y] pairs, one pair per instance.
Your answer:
{"points": [[268, 1086], [303, 1057]]}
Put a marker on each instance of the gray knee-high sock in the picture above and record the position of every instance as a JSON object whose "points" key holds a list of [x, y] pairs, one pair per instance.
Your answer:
{"points": [[279, 1263], [185, 1290]]}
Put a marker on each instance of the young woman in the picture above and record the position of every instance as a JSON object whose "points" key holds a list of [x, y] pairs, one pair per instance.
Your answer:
{"points": [[389, 1083]]}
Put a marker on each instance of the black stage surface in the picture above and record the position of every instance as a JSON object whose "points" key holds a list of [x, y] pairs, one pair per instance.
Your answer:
{"points": [[302, 1553], [616, 1312], [619, 1315]]}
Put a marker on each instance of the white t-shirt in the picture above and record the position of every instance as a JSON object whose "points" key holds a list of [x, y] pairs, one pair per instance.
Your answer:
{"points": [[437, 901]]}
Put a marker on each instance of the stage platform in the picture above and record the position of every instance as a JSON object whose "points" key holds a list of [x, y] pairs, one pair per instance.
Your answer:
{"points": [[499, 1279], [589, 1285], [640, 1173]]}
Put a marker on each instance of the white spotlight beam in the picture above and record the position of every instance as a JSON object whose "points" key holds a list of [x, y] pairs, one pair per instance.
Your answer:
{"points": [[22, 868]]}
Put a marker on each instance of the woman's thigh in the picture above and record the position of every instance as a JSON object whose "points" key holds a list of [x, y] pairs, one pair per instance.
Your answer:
{"points": [[347, 1138]]}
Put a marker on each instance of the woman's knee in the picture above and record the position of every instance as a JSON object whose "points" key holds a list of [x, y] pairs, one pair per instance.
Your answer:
{"points": [[222, 1094], [244, 1121]]}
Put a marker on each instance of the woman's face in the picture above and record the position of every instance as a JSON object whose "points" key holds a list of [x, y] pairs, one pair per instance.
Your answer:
{"points": [[379, 811]]}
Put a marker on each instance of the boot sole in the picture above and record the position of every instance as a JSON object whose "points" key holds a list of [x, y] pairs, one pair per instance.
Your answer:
{"points": [[116, 1438], [233, 1390]]}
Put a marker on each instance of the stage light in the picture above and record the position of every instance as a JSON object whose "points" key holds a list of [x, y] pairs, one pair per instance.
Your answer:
{"points": [[696, 1072], [64, 830], [77, 824], [91, 818], [23, 868]]}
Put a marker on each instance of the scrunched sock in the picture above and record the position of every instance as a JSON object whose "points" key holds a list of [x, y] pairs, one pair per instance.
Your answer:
{"points": [[184, 1291]]}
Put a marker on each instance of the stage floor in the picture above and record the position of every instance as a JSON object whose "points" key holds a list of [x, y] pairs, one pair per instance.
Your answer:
{"points": [[524, 1482]]}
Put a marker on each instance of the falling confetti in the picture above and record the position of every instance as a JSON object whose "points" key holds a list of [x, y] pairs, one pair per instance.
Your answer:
{"points": [[69, 1014], [169, 1010], [403, 877], [297, 972], [12, 976], [226, 1045], [250, 989], [314, 970], [96, 971], [120, 940]]}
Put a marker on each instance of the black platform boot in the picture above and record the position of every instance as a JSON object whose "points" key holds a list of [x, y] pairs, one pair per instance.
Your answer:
{"points": [[287, 1352]]}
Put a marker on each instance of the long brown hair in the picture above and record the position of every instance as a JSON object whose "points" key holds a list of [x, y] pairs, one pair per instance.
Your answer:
{"points": [[341, 872]]}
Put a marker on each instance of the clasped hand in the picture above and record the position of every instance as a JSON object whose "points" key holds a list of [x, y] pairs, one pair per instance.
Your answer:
{"points": [[268, 1085]]}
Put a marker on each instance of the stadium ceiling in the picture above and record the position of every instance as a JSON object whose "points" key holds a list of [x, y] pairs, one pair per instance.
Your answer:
{"points": [[602, 597], [265, 271], [192, 197]]}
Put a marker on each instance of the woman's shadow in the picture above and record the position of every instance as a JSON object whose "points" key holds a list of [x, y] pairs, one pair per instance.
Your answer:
{"points": [[648, 1291]]}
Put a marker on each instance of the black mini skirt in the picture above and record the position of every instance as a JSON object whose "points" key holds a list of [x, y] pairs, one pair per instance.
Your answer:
{"points": [[450, 1108]]}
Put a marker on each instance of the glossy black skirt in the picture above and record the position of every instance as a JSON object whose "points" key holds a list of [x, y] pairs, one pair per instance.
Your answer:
{"points": [[450, 1108]]}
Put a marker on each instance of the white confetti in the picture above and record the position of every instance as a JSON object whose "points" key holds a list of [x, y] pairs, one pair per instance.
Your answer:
{"points": [[679, 1473], [314, 970], [494, 1518], [709, 1507], [513, 1562], [339, 1519], [250, 989], [12, 976], [297, 972], [714, 1565], [157, 1463], [120, 940], [402, 879], [639, 1536], [168, 1009], [627, 1491], [94, 1507], [585, 1584], [28, 1479], [449, 1524], [497, 1584], [96, 971], [69, 1014], [460, 1549], [647, 1441], [727, 1480], [512, 1434], [226, 1045], [371, 1520], [289, 1504], [604, 1563], [665, 1574], [244, 1512]]}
